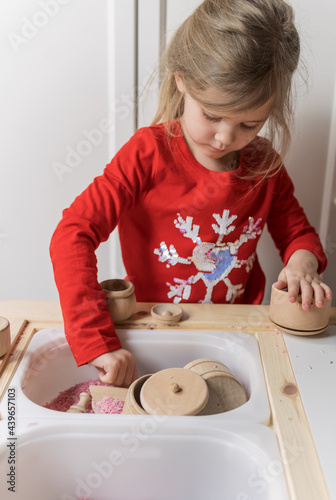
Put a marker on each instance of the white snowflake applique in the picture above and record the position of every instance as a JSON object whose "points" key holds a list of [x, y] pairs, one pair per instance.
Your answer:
{"points": [[213, 261]]}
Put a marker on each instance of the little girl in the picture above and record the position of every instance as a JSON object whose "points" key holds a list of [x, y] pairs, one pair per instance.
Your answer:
{"points": [[192, 193]]}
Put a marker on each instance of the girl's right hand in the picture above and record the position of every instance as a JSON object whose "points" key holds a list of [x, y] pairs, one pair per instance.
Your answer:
{"points": [[116, 367]]}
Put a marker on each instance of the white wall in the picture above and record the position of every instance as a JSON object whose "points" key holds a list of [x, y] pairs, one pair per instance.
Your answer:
{"points": [[64, 77], [57, 96], [308, 157]]}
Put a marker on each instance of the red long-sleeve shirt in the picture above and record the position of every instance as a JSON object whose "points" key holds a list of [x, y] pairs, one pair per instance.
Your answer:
{"points": [[186, 233]]}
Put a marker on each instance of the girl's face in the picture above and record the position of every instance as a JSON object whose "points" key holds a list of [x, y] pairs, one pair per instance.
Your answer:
{"points": [[215, 140]]}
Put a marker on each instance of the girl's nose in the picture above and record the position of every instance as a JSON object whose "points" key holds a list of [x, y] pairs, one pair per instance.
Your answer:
{"points": [[225, 135]]}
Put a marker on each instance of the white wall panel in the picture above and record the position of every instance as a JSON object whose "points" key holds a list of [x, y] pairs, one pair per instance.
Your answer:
{"points": [[121, 81], [177, 11], [151, 41], [53, 95]]}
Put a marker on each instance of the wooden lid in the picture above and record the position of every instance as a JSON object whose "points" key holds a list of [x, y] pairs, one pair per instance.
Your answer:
{"points": [[174, 391], [225, 391], [208, 365]]}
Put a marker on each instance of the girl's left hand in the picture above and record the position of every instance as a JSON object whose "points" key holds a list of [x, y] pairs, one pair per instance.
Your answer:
{"points": [[300, 276]]}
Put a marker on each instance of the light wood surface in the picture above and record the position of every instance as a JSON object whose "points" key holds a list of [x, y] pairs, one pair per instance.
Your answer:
{"points": [[99, 392], [300, 461]]}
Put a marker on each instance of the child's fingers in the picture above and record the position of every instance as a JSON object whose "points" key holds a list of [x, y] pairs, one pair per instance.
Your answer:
{"points": [[306, 294], [327, 291], [318, 293], [293, 289], [280, 284], [311, 289], [130, 376], [119, 378]]}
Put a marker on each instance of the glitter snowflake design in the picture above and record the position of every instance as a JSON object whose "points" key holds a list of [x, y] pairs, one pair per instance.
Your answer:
{"points": [[213, 261]]}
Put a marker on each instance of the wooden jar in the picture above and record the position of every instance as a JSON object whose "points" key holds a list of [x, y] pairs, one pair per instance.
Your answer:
{"points": [[291, 318], [132, 404], [225, 391], [174, 391], [5, 339], [120, 298]]}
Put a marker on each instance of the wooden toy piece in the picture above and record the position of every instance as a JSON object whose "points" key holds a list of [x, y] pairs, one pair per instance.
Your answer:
{"points": [[120, 298], [203, 387], [99, 392], [291, 318], [225, 391], [5, 338], [82, 405], [174, 391], [168, 314]]}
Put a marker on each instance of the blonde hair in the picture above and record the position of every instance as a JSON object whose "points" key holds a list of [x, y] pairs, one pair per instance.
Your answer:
{"points": [[233, 56]]}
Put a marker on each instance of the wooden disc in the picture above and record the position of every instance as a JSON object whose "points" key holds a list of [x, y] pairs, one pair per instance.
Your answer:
{"points": [[225, 391], [300, 332], [174, 391]]}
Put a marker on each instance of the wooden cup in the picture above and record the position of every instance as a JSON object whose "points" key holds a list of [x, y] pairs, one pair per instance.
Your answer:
{"points": [[5, 338], [291, 318], [120, 298]]}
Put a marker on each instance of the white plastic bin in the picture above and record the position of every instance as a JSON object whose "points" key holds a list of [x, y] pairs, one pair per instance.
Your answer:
{"points": [[154, 459], [48, 367]]}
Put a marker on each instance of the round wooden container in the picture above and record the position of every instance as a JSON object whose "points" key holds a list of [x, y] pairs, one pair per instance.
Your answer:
{"points": [[225, 391], [120, 298], [5, 339], [167, 314], [291, 318], [174, 391], [132, 404]]}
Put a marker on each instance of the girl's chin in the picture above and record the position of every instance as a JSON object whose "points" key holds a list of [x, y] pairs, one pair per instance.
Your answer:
{"points": [[216, 151]]}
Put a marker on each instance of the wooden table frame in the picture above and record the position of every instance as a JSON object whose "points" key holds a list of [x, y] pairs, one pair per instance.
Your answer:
{"points": [[302, 468]]}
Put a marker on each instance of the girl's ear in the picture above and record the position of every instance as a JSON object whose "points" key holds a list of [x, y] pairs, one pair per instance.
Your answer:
{"points": [[180, 83]]}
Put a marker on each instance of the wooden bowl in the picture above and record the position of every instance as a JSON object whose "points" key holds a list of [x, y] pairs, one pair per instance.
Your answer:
{"points": [[291, 318], [167, 314], [225, 391]]}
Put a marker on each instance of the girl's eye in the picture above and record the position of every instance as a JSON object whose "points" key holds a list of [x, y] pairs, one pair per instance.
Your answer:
{"points": [[211, 118], [248, 127]]}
